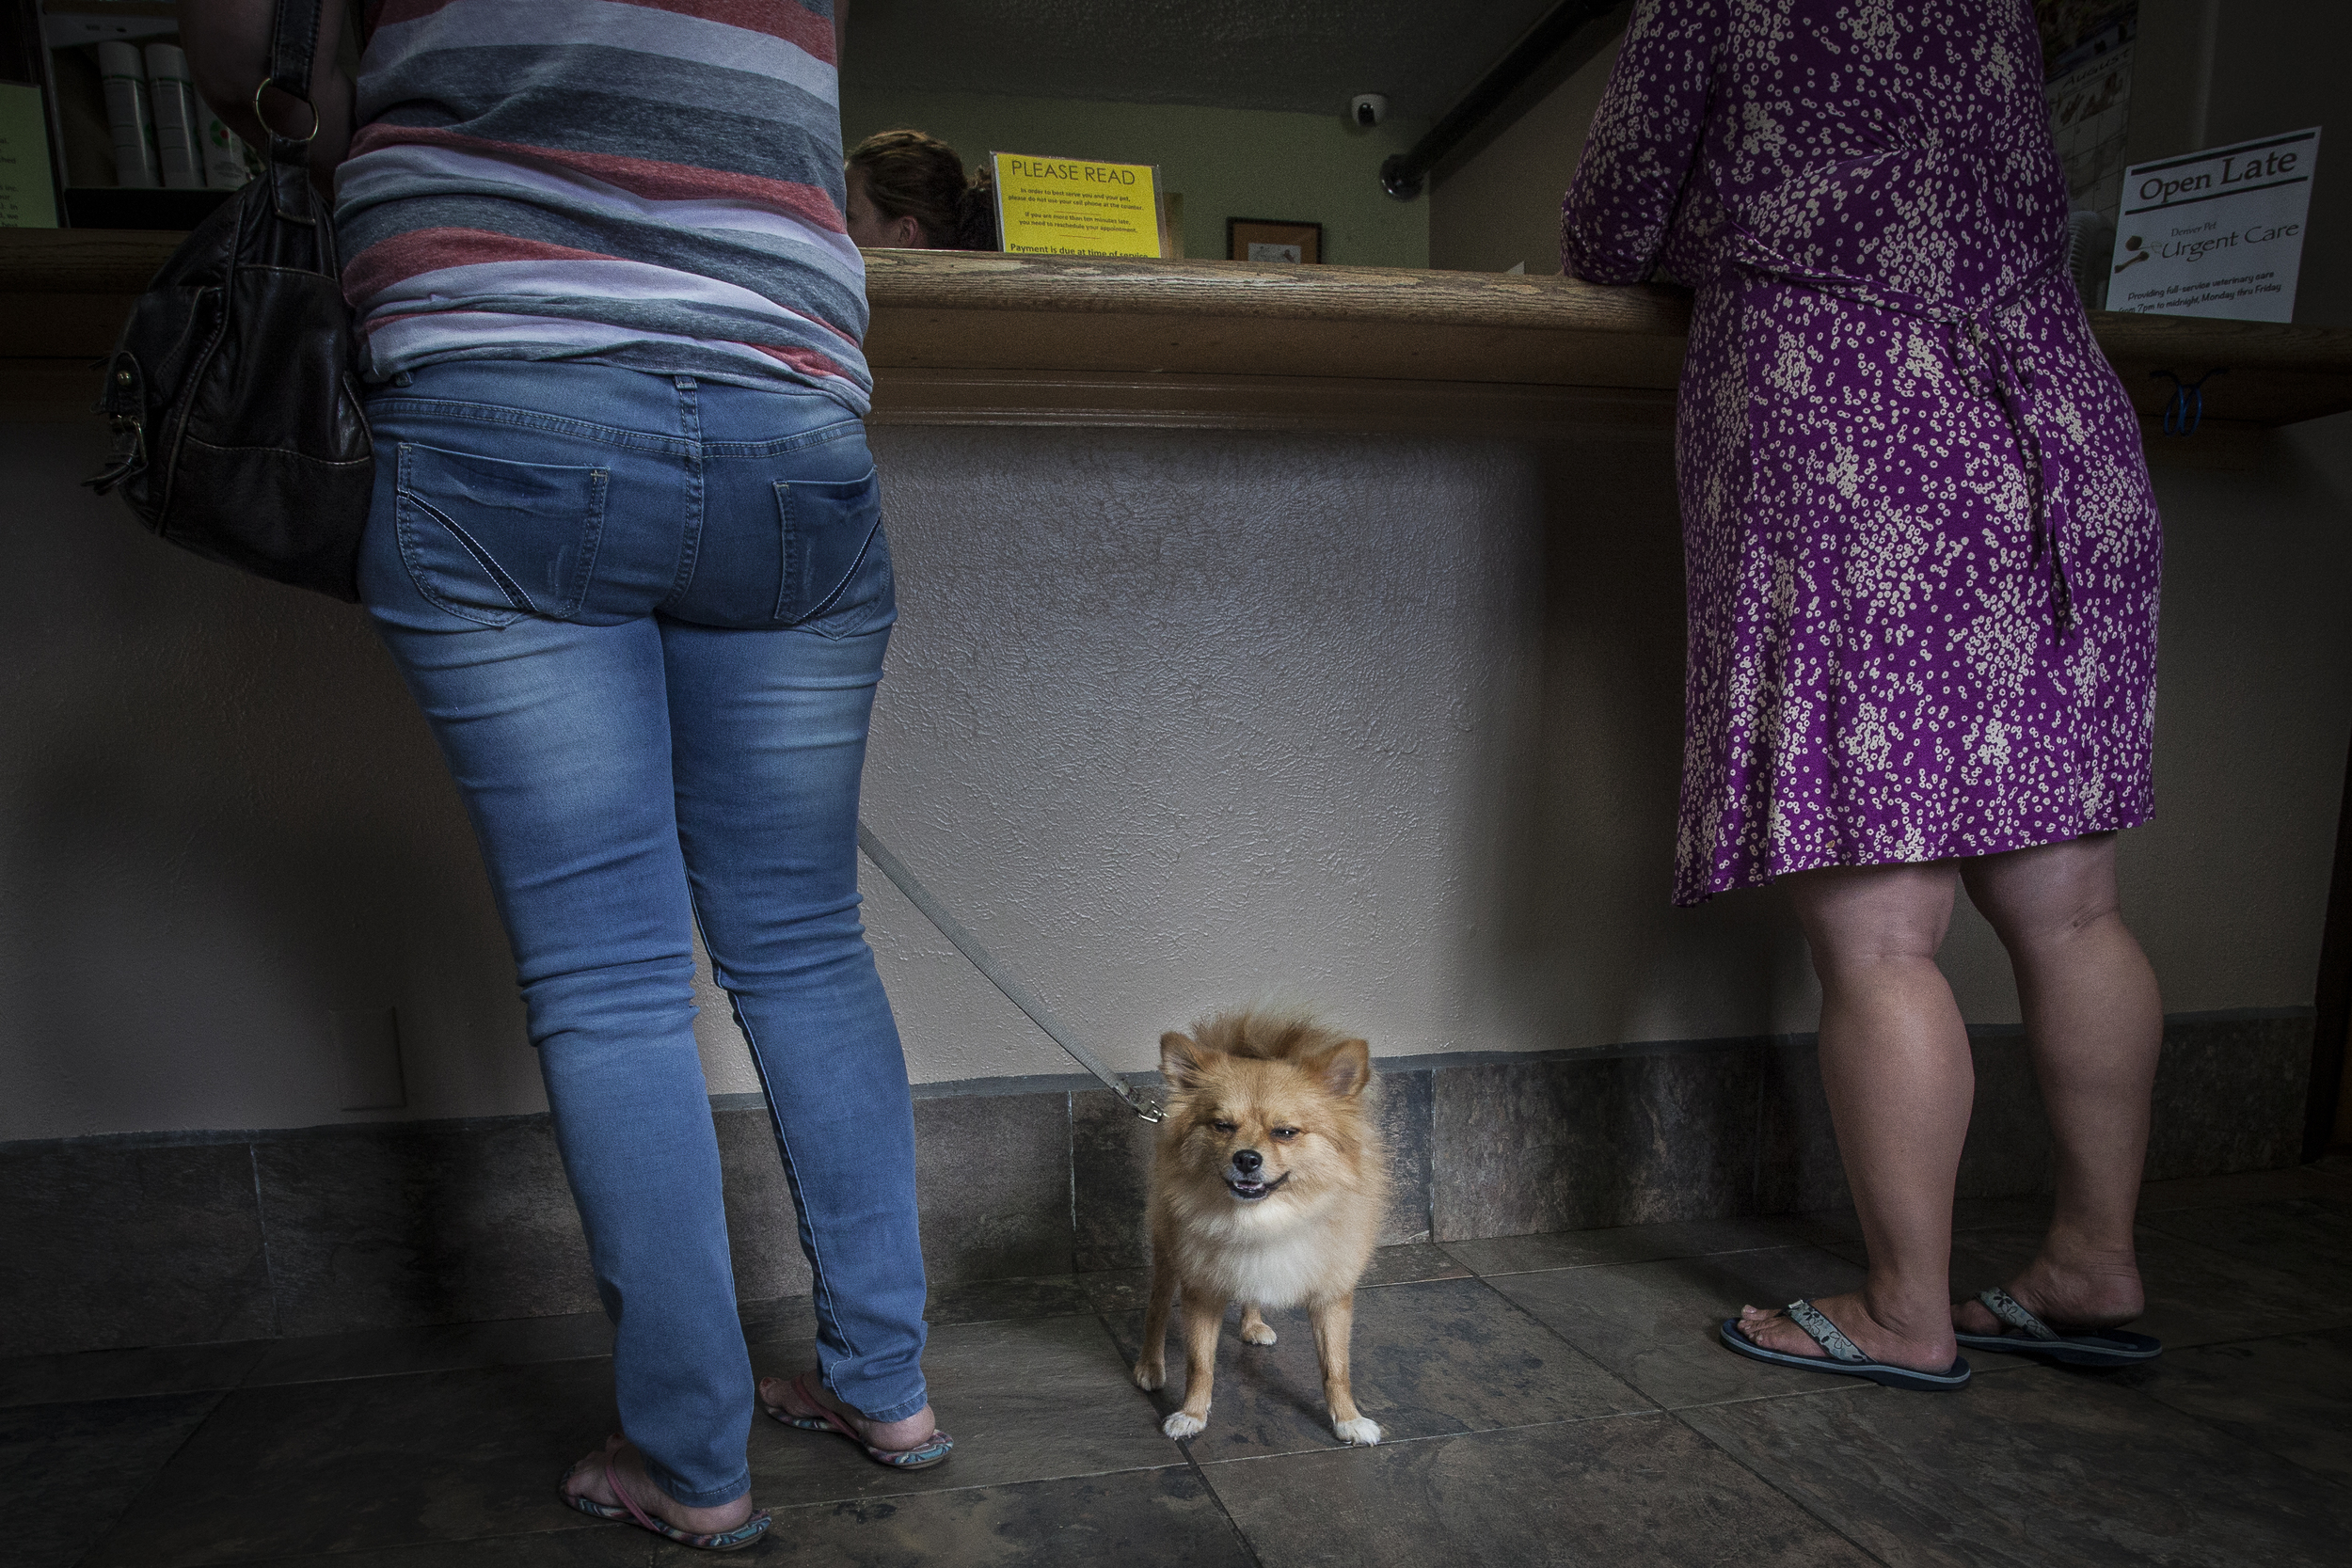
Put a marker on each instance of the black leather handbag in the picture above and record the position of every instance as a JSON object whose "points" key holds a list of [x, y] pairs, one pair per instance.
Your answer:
{"points": [[239, 432]]}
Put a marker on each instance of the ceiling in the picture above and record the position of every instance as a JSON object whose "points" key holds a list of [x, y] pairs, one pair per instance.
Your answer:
{"points": [[1310, 56]]}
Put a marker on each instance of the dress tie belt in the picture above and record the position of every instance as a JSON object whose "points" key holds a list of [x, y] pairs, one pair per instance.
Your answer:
{"points": [[2012, 384], [2049, 529]]}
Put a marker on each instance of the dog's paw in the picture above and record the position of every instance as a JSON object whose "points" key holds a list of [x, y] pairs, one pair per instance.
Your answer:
{"points": [[1181, 1426], [1257, 1334], [1149, 1377], [1363, 1432]]}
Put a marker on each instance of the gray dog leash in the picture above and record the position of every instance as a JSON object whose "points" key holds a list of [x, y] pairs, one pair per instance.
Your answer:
{"points": [[998, 975]]}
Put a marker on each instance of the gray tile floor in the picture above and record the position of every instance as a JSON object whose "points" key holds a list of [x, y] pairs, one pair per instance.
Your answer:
{"points": [[1547, 1399]]}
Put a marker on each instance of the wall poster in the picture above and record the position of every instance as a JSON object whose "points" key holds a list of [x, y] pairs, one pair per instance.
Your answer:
{"points": [[1078, 207], [2086, 74], [2217, 233], [28, 197]]}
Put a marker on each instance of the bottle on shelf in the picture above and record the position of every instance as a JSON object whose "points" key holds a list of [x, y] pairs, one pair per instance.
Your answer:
{"points": [[124, 76], [178, 118], [224, 166]]}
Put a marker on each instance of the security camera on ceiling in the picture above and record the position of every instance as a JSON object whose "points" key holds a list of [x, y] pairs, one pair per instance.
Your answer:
{"points": [[1368, 109]]}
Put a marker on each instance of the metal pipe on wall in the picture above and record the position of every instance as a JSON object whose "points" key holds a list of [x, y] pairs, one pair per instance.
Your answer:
{"points": [[1404, 173]]}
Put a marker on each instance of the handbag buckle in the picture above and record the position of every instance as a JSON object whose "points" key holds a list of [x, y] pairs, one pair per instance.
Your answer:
{"points": [[130, 454], [122, 400]]}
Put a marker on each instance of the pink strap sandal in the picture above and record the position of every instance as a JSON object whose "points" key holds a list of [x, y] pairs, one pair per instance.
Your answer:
{"points": [[629, 1512], [931, 1452]]}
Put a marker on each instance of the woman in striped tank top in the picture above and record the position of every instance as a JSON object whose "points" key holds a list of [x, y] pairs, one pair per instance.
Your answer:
{"points": [[626, 552]]}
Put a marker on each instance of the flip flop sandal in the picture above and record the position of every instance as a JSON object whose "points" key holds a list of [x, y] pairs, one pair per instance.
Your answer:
{"points": [[933, 1448], [2074, 1347], [629, 1512], [1845, 1357]]}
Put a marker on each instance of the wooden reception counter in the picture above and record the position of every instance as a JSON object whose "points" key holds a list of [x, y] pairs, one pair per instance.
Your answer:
{"points": [[965, 337]]}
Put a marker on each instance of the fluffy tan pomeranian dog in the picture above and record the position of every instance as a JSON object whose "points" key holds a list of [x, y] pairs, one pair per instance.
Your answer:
{"points": [[1267, 1188]]}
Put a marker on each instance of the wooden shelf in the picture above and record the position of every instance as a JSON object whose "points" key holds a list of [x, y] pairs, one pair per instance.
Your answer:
{"points": [[964, 336]]}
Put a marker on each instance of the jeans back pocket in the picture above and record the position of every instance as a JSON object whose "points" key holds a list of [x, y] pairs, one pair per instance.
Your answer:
{"points": [[494, 541], [836, 565]]}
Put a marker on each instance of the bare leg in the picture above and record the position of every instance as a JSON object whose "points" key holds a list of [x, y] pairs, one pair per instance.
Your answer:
{"points": [[1204, 1318], [1335, 1323], [2094, 1022], [1896, 1064], [1152, 1363], [1253, 1325]]}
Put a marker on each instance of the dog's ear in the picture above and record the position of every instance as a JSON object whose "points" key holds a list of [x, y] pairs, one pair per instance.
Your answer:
{"points": [[1183, 1060], [1344, 1069]]}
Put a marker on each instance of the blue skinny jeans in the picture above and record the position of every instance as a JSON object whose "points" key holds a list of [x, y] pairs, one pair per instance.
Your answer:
{"points": [[645, 618]]}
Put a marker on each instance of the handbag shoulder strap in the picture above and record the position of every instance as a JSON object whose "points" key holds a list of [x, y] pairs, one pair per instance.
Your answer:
{"points": [[294, 38]]}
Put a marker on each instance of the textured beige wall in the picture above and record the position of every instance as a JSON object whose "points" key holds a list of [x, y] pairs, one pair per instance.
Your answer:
{"points": [[1502, 206], [1171, 719], [2281, 67]]}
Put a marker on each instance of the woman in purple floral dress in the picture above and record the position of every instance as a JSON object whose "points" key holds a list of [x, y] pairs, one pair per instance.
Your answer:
{"points": [[1923, 561]]}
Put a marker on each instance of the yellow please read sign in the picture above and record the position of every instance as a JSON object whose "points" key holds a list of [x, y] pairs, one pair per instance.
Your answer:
{"points": [[1077, 207]]}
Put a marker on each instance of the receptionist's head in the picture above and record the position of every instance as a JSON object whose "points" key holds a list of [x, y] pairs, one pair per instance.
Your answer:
{"points": [[908, 191]]}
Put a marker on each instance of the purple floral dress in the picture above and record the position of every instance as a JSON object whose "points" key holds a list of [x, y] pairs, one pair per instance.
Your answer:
{"points": [[1921, 547]]}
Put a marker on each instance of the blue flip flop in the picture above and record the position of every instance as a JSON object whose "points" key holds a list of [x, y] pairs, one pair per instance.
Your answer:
{"points": [[2074, 1347], [1845, 1357]]}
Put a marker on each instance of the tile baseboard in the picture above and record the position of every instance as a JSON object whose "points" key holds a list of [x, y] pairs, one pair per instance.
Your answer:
{"points": [[186, 1238]]}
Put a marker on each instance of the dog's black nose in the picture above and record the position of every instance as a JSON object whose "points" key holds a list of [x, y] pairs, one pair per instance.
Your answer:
{"points": [[1247, 1160]]}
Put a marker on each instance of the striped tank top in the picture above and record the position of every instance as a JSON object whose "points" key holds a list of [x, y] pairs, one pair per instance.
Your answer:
{"points": [[649, 183]]}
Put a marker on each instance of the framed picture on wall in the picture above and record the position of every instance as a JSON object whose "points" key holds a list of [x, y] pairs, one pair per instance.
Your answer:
{"points": [[1272, 240]]}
